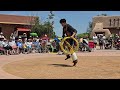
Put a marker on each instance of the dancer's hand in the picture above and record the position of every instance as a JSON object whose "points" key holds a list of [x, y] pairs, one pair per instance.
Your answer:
{"points": [[71, 36]]}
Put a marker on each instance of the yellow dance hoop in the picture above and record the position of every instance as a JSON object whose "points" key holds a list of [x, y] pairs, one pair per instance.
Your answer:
{"points": [[72, 48]]}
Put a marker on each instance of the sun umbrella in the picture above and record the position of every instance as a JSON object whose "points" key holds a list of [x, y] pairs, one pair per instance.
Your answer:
{"points": [[33, 34]]}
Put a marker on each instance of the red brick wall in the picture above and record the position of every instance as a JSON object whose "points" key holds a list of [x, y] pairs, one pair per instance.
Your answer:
{"points": [[8, 29]]}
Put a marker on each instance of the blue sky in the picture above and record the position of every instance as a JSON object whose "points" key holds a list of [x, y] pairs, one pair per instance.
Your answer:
{"points": [[78, 19]]}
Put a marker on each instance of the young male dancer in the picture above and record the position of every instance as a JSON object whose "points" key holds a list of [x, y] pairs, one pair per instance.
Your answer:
{"points": [[69, 31]]}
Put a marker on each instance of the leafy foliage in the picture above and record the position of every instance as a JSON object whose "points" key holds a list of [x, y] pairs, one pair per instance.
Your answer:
{"points": [[45, 28]]}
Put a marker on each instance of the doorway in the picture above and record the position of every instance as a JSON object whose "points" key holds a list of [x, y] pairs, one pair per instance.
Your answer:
{"points": [[99, 33]]}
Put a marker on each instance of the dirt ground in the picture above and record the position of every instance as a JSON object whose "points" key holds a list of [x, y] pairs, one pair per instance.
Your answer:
{"points": [[55, 67]]}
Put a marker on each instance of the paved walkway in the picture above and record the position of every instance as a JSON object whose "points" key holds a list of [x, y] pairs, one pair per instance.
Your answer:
{"points": [[8, 59]]}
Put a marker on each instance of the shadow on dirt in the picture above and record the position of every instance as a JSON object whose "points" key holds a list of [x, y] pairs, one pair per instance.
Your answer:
{"points": [[61, 65]]}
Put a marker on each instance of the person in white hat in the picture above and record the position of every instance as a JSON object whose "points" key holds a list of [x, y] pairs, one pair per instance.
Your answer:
{"points": [[38, 39], [25, 37], [29, 45], [20, 45]]}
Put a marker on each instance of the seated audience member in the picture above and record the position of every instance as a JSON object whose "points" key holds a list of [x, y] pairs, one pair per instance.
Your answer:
{"points": [[20, 45], [2, 50], [29, 45], [25, 47], [14, 46], [7, 47]]}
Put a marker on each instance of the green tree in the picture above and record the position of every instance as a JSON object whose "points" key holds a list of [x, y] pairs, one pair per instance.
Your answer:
{"points": [[46, 27], [38, 27], [103, 14], [82, 35], [36, 24], [49, 25], [89, 29]]}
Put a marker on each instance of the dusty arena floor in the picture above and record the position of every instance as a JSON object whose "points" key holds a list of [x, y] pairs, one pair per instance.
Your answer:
{"points": [[94, 65]]}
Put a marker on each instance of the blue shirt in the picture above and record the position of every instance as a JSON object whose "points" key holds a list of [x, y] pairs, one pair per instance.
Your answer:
{"points": [[57, 40], [19, 44]]}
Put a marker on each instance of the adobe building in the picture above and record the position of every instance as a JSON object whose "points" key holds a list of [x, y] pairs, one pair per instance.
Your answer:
{"points": [[11, 23], [106, 25]]}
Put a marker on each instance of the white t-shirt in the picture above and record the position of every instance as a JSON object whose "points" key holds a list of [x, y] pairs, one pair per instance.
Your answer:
{"points": [[5, 44], [13, 37], [29, 43], [104, 37], [1, 43], [95, 38], [37, 40], [12, 43]]}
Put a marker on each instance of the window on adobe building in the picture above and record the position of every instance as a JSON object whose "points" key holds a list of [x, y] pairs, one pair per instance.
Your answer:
{"points": [[118, 22], [114, 22], [110, 22]]}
